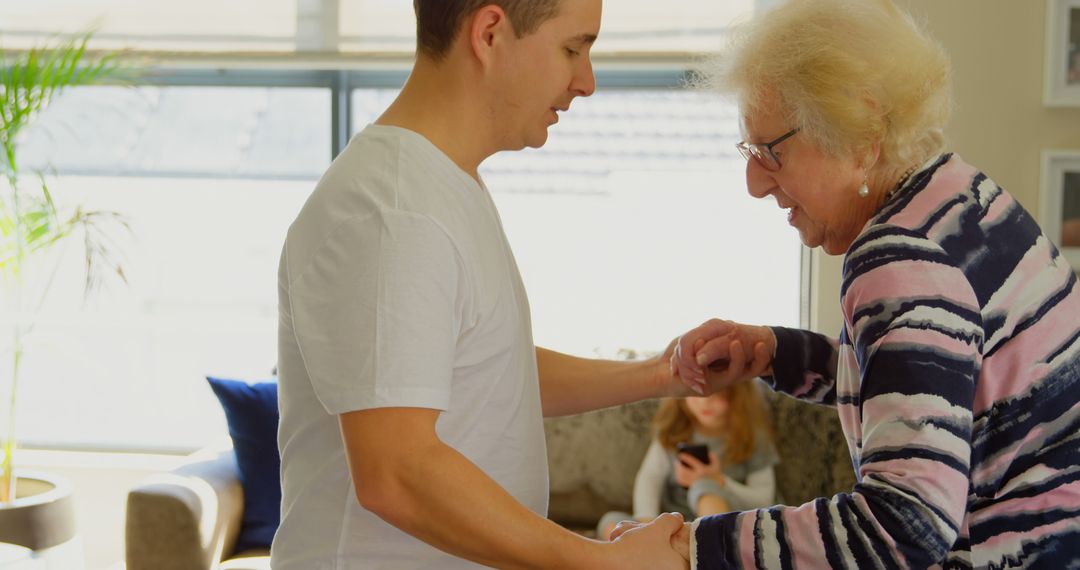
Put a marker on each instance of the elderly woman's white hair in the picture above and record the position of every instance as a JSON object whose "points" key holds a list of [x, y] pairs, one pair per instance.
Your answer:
{"points": [[849, 73]]}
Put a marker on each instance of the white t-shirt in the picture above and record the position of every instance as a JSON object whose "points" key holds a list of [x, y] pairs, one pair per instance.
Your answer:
{"points": [[398, 289]]}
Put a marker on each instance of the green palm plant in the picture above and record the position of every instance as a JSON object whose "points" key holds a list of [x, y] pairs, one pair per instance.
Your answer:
{"points": [[31, 223]]}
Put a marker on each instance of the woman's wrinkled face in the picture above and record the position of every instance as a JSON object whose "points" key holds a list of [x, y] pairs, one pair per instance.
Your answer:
{"points": [[820, 192]]}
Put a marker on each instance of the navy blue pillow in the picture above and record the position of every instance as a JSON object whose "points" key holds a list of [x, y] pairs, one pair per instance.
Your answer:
{"points": [[252, 414]]}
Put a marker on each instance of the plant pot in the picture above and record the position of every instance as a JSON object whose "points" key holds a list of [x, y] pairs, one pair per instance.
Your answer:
{"points": [[42, 518]]}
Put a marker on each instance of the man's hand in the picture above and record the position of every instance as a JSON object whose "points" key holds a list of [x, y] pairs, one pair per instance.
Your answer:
{"points": [[655, 545], [666, 376], [720, 353]]}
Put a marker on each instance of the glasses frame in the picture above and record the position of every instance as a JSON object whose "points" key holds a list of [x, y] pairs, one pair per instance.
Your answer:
{"points": [[763, 152]]}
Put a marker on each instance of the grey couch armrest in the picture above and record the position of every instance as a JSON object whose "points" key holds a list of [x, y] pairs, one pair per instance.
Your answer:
{"points": [[593, 459], [187, 518]]}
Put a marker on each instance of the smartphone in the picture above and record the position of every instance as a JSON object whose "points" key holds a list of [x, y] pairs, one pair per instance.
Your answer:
{"points": [[698, 450]]}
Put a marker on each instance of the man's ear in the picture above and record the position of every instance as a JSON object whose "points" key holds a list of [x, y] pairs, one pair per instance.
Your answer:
{"points": [[486, 28]]}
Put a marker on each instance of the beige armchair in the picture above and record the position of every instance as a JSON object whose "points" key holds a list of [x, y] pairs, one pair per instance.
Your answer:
{"points": [[188, 519]]}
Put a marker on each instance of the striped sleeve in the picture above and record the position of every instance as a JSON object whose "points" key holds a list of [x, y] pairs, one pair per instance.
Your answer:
{"points": [[904, 392], [804, 365]]}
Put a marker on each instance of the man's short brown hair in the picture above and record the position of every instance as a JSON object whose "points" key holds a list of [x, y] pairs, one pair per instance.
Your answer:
{"points": [[438, 21]]}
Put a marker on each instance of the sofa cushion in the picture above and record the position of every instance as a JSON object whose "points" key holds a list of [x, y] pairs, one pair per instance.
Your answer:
{"points": [[252, 414], [593, 459]]}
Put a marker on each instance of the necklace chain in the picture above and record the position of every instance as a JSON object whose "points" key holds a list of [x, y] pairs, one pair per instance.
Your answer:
{"points": [[900, 184]]}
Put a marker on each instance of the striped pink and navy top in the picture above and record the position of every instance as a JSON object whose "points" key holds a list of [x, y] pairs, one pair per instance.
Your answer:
{"points": [[957, 382]]}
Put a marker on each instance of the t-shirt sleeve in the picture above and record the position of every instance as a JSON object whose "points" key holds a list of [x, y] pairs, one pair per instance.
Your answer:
{"points": [[376, 313]]}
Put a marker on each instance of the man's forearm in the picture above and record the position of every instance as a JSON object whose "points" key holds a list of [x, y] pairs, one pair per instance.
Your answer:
{"points": [[442, 498], [571, 385]]}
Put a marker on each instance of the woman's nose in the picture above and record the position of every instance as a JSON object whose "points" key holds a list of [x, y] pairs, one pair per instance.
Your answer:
{"points": [[758, 180]]}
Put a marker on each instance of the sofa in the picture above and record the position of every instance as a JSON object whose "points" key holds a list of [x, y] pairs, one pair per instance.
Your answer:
{"points": [[188, 519]]}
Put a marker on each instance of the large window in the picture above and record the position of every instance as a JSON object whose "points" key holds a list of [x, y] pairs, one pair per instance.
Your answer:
{"points": [[209, 179], [631, 225]]}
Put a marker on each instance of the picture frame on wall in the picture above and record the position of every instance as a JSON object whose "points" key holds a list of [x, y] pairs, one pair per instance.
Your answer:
{"points": [[1061, 69], [1059, 202]]}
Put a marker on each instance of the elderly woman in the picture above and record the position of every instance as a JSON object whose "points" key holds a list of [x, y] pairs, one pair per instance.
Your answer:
{"points": [[956, 375]]}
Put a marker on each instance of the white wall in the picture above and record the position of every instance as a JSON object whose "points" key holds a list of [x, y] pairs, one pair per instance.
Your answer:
{"points": [[999, 124]]}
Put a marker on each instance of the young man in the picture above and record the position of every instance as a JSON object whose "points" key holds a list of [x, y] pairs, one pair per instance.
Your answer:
{"points": [[411, 392]]}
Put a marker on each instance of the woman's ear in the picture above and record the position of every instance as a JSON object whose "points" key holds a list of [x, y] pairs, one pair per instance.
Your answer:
{"points": [[875, 153], [486, 28], [869, 157]]}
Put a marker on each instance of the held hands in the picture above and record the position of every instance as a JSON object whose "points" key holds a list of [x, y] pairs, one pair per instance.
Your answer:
{"points": [[719, 353], [666, 377], [670, 525], [689, 469]]}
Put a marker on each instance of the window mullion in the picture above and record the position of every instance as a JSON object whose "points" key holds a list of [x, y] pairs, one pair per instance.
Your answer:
{"points": [[340, 112]]}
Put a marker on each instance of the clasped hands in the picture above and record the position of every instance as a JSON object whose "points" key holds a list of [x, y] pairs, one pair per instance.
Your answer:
{"points": [[663, 543], [667, 524], [720, 353]]}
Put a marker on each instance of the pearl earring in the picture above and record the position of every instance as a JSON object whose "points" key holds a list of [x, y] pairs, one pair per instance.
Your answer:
{"points": [[864, 190]]}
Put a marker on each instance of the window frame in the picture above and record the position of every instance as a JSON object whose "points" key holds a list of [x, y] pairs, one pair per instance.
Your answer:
{"points": [[623, 73], [612, 72], [628, 74]]}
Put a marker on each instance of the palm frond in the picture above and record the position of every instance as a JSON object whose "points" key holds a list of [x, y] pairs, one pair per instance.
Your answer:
{"points": [[101, 258], [31, 80], [30, 223]]}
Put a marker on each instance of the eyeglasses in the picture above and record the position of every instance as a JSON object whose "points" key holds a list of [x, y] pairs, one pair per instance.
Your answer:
{"points": [[763, 153]]}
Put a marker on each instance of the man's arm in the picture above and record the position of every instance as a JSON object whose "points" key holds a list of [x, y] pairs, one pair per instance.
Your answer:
{"points": [[405, 475], [572, 385]]}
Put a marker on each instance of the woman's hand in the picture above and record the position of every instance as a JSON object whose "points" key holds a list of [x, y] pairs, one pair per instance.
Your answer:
{"points": [[689, 469], [719, 353], [680, 541], [653, 545]]}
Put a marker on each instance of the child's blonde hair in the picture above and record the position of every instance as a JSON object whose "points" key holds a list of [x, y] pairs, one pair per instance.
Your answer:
{"points": [[747, 420]]}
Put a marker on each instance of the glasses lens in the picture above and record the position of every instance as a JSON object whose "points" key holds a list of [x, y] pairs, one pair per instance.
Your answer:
{"points": [[759, 153], [743, 150], [765, 158]]}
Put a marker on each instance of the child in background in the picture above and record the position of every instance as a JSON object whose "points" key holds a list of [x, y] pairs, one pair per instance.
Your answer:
{"points": [[733, 423]]}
